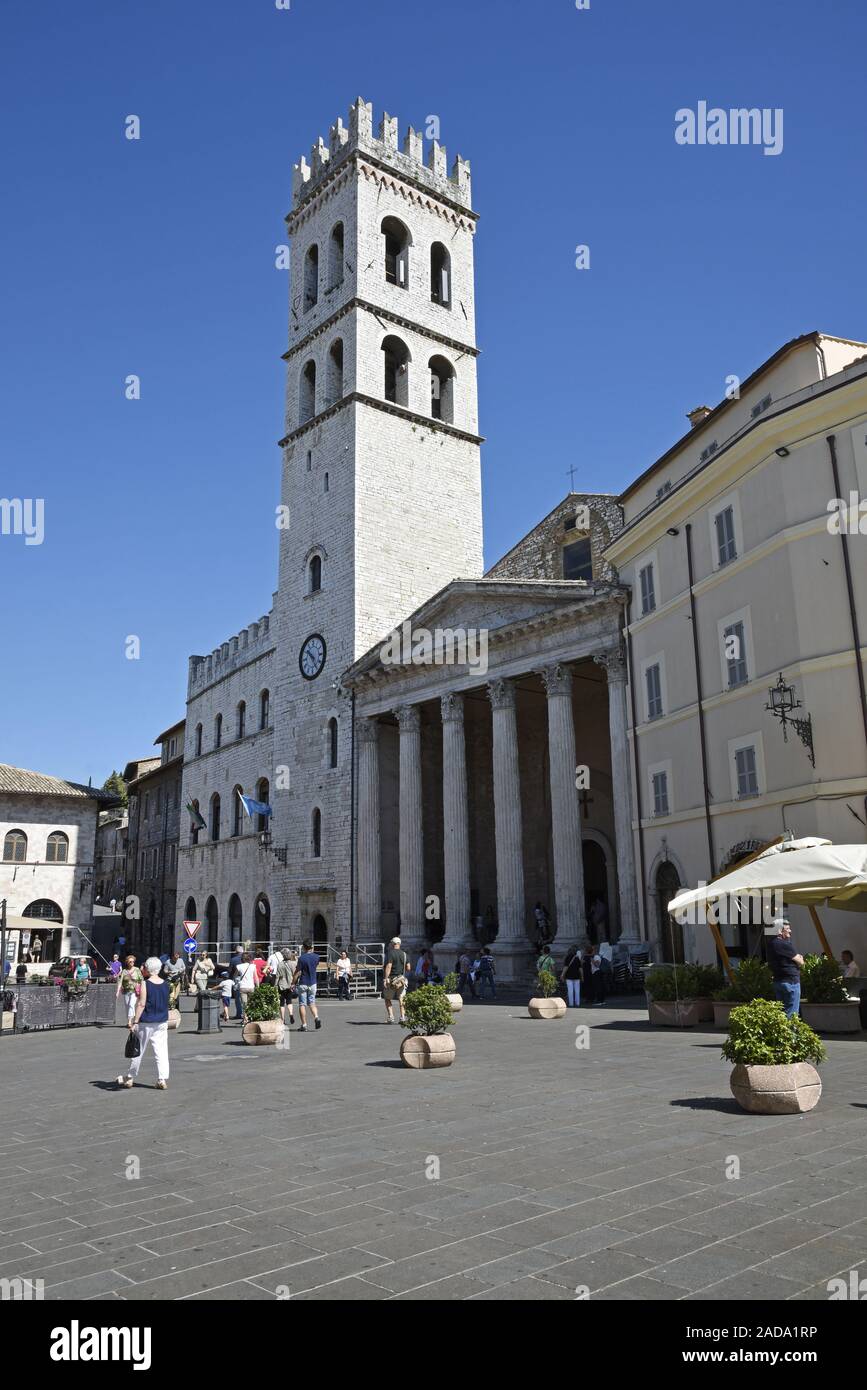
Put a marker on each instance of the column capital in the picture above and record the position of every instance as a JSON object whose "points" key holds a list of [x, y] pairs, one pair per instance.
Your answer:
{"points": [[409, 718], [557, 679], [614, 662], [367, 730], [501, 694], [452, 707]]}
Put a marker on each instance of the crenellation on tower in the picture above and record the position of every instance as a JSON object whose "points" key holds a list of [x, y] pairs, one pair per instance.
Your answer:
{"points": [[408, 159]]}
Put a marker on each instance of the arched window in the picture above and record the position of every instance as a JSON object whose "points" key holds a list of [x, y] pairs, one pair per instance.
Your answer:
{"points": [[440, 275], [218, 731], [44, 909], [307, 393], [396, 247], [198, 740], [57, 849], [264, 709], [212, 921], [15, 847], [190, 911], [195, 827], [262, 917], [317, 834], [311, 277], [236, 920], [215, 816], [335, 371], [242, 719], [332, 743], [314, 573], [263, 793], [237, 812], [335, 257], [442, 394], [325, 483], [397, 359]]}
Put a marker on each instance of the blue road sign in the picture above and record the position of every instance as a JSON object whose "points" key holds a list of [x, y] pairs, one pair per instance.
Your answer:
{"points": [[190, 945]]}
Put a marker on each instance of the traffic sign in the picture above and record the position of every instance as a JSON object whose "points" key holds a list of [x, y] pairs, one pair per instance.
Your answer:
{"points": [[191, 928], [190, 945]]}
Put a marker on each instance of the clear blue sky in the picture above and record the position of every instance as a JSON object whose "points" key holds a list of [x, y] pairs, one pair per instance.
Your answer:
{"points": [[157, 258]]}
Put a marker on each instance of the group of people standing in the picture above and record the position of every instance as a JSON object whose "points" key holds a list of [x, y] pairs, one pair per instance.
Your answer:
{"points": [[585, 972]]}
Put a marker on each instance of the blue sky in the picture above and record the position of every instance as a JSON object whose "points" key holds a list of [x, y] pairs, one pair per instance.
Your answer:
{"points": [[156, 257]]}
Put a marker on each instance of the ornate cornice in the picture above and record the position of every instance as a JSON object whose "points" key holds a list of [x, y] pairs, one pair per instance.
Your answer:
{"points": [[390, 409], [466, 349]]}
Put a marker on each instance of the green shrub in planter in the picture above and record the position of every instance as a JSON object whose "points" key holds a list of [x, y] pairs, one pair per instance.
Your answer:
{"points": [[701, 981], [760, 1035], [450, 983], [753, 980], [263, 1005], [547, 984], [665, 983], [822, 981], [428, 1011]]}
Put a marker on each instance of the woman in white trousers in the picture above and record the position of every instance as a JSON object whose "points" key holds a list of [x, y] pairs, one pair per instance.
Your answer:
{"points": [[151, 1023]]}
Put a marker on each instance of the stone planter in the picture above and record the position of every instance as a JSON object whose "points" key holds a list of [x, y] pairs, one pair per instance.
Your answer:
{"points": [[673, 1013], [456, 1002], [265, 1034], [833, 1018], [785, 1090], [174, 1018], [705, 1008], [436, 1050], [555, 1007], [722, 1009]]}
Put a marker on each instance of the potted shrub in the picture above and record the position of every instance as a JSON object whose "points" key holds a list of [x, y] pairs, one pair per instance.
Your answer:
{"points": [[825, 1005], [773, 1056], [450, 985], [548, 1004], [428, 1018], [698, 985], [753, 980], [669, 1004], [263, 1026]]}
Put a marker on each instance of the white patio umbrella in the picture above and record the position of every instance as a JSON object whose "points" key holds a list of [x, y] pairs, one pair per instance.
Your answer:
{"points": [[808, 873]]}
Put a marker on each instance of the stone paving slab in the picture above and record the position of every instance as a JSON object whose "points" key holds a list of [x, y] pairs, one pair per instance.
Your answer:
{"points": [[304, 1172]]}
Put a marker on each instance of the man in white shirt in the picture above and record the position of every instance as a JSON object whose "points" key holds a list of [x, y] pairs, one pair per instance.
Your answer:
{"points": [[850, 966]]}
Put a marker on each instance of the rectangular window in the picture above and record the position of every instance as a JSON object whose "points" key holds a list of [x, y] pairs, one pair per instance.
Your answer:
{"points": [[577, 560], [648, 589], [735, 655], [654, 692], [745, 766], [660, 793], [725, 536]]}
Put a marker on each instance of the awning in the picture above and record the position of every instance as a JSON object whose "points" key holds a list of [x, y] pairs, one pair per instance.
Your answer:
{"points": [[806, 873]]}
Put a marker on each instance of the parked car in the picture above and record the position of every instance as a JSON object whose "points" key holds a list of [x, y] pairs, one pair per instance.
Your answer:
{"points": [[64, 968]]}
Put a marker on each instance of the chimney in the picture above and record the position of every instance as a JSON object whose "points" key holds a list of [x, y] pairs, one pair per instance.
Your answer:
{"points": [[701, 412]]}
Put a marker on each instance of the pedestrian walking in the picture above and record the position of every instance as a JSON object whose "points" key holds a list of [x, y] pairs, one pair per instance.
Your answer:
{"points": [[394, 980], [343, 971], [175, 972], [785, 963], [284, 974], [114, 966], [151, 1023], [247, 980], [305, 981], [591, 962], [129, 985], [545, 962], [203, 969], [236, 960], [486, 971], [465, 975], [571, 973], [227, 990]]}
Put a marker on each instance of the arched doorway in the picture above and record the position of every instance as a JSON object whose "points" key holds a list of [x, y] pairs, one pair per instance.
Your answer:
{"points": [[669, 932], [212, 922], [319, 929], [262, 919], [236, 920], [596, 891], [45, 941]]}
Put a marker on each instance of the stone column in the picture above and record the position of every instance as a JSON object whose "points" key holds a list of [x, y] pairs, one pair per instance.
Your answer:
{"points": [[627, 882], [456, 836], [411, 842], [565, 811], [512, 947], [369, 870]]}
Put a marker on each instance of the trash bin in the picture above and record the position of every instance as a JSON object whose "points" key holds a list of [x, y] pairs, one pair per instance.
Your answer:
{"points": [[209, 1013]]}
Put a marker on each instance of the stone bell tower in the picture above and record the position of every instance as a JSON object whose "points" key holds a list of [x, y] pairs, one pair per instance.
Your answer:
{"points": [[381, 473]]}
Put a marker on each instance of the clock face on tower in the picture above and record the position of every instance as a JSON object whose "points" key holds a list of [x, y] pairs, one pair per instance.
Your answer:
{"points": [[311, 658]]}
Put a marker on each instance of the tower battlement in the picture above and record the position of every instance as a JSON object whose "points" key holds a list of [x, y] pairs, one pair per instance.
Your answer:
{"points": [[249, 644], [408, 160]]}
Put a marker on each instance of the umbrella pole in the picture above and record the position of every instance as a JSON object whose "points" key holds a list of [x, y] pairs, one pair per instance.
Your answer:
{"points": [[820, 932], [721, 947]]}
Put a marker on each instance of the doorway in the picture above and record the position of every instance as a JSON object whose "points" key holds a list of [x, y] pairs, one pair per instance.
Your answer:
{"points": [[669, 932]]}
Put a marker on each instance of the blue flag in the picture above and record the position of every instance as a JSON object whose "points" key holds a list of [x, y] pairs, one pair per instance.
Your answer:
{"points": [[254, 808]]}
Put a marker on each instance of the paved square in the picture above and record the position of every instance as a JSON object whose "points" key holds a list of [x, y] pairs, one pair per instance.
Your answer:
{"points": [[303, 1173]]}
